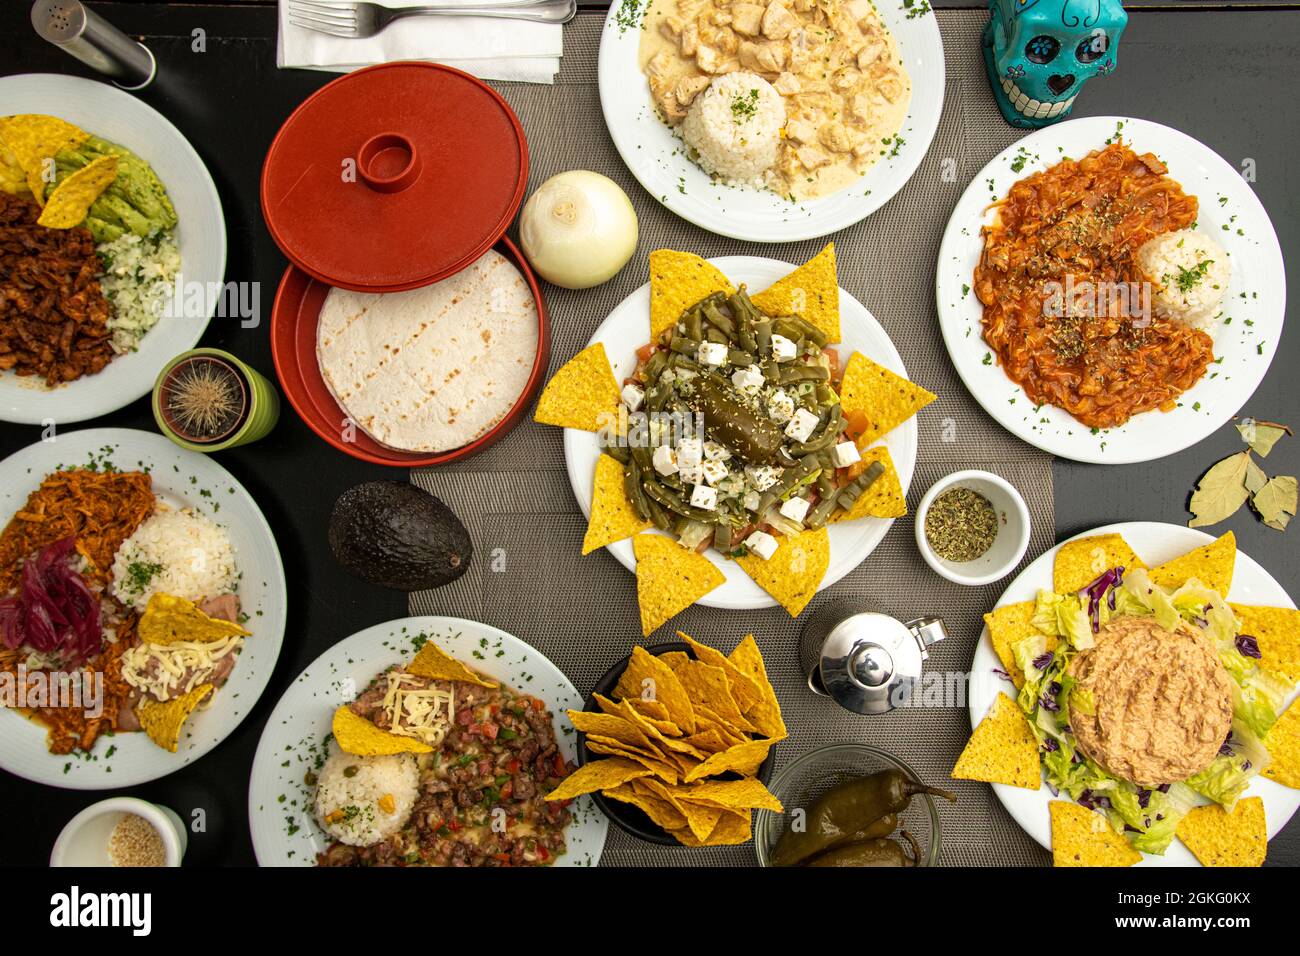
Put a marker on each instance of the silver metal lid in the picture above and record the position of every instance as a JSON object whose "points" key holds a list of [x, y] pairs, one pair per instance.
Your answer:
{"points": [[79, 31]]}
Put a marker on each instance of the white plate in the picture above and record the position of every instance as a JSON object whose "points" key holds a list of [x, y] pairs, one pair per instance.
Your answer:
{"points": [[183, 479], [117, 116], [655, 157], [284, 828], [628, 328], [1155, 543], [1256, 300]]}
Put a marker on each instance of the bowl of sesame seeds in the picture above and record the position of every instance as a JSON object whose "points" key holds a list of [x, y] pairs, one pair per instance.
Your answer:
{"points": [[121, 832]]}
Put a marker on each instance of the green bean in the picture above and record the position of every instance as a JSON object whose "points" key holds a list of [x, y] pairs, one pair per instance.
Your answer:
{"points": [[763, 337], [657, 397], [821, 513], [662, 518], [804, 373], [740, 358], [856, 488], [786, 482], [745, 314], [803, 329], [632, 487], [642, 455], [722, 537], [719, 321], [683, 345], [824, 436], [695, 325], [716, 335], [826, 395], [618, 452], [654, 367], [675, 503]]}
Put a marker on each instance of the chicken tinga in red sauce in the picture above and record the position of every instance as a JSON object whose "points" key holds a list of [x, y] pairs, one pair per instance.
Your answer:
{"points": [[437, 766]]}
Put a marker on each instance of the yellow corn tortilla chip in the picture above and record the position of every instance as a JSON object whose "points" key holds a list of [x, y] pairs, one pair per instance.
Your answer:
{"points": [[706, 719], [1277, 629], [598, 775], [608, 725], [1283, 743], [710, 739], [811, 292], [436, 664], [13, 178], [669, 745], [733, 794], [582, 394], [72, 198], [677, 281], [793, 574], [612, 516], [1219, 838], [1008, 626], [1002, 749], [1211, 564], [168, 619], [662, 813], [743, 758], [732, 829], [701, 818], [647, 676], [743, 688], [163, 720], [1079, 562], [885, 398], [650, 713], [884, 499], [357, 736], [669, 579], [1083, 837], [707, 685], [652, 761], [766, 716], [35, 139]]}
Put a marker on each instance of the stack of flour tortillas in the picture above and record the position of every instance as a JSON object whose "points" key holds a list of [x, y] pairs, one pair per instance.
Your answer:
{"points": [[434, 368]]}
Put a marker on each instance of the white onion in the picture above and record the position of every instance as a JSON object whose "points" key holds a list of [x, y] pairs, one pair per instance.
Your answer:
{"points": [[578, 229]]}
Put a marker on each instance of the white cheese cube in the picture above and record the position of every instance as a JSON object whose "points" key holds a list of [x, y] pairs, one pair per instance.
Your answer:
{"points": [[715, 452], [748, 380], [665, 460], [711, 353], [762, 544], [704, 497], [633, 396], [796, 509], [783, 350], [801, 427], [780, 407], [714, 472], [690, 451], [751, 500], [692, 474], [845, 453], [762, 477]]}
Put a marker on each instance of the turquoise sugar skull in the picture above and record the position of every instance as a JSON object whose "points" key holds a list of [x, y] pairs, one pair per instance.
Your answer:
{"points": [[1039, 53]]}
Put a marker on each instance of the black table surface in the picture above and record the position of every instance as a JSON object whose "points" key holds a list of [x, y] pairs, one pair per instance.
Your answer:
{"points": [[1221, 75]]}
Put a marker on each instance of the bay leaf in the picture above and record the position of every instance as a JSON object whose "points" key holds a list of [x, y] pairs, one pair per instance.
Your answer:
{"points": [[1255, 477], [1261, 436], [1221, 491], [1276, 501]]}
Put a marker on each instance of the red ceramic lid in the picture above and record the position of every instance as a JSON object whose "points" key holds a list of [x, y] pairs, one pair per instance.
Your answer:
{"points": [[394, 177]]}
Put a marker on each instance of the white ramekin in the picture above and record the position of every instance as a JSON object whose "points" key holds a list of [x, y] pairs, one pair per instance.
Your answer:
{"points": [[84, 841], [1012, 537]]}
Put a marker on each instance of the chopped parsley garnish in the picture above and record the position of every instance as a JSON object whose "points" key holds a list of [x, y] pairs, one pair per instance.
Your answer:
{"points": [[1188, 278], [744, 106]]}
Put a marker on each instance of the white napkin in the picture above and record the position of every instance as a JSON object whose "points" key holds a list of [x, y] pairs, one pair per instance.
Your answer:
{"points": [[489, 48]]}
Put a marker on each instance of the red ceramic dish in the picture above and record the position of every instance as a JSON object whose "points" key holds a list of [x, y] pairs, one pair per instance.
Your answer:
{"points": [[293, 347]]}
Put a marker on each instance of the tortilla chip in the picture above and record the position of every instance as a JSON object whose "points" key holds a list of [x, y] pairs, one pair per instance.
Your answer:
{"points": [[649, 713], [1079, 562], [885, 398], [71, 200], [436, 664], [608, 725], [1008, 626], [647, 676], [661, 813], [1277, 630], [733, 794], [1083, 837], [35, 139], [884, 499], [652, 761], [612, 516], [707, 685], [743, 758], [1211, 564], [598, 775], [13, 178], [163, 721], [1219, 838], [582, 394], [677, 281], [1002, 749], [669, 579], [1283, 743], [811, 292], [701, 818], [357, 736], [732, 829], [743, 688], [168, 619], [793, 574], [767, 716]]}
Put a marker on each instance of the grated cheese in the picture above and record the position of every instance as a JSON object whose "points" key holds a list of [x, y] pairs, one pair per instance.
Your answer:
{"points": [[414, 710], [157, 669]]}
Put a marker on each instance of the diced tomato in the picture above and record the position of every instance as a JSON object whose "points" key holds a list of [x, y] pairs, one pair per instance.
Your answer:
{"points": [[644, 352], [537, 704], [541, 853], [704, 545], [858, 424], [453, 825], [513, 765], [488, 731], [833, 357]]}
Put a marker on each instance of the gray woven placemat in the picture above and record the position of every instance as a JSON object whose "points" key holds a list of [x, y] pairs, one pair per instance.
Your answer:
{"points": [[528, 576]]}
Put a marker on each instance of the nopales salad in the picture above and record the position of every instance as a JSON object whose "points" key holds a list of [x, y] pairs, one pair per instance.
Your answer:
{"points": [[1049, 695]]}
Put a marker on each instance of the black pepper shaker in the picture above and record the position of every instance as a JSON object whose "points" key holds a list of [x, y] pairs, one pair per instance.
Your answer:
{"points": [[90, 38]]}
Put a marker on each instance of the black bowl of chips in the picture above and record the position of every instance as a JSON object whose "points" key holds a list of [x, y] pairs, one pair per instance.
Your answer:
{"points": [[641, 730]]}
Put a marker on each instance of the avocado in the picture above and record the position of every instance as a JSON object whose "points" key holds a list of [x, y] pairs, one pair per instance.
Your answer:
{"points": [[393, 534]]}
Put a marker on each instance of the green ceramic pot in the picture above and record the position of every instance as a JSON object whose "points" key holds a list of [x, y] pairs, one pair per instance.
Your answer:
{"points": [[261, 402]]}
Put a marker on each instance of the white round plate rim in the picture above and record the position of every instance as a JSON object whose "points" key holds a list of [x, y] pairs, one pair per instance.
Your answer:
{"points": [[1214, 399], [263, 595], [645, 143], [1154, 542], [358, 658], [113, 114], [740, 592]]}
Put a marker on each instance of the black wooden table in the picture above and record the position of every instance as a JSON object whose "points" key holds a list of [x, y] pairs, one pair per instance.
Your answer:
{"points": [[1223, 73]]}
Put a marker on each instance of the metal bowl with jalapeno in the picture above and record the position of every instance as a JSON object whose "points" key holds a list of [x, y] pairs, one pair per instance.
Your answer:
{"points": [[749, 441]]}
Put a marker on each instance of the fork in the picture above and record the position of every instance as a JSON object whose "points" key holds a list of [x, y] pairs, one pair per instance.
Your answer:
{"points": [[359, 20]]}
